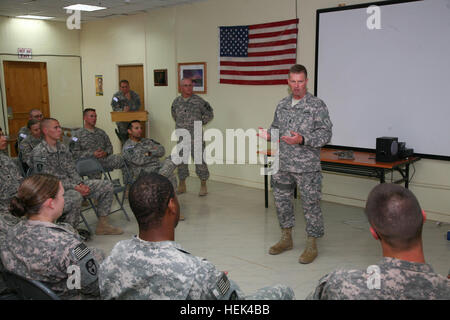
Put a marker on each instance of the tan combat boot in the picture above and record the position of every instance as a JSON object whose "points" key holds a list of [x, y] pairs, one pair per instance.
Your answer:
{"points": [[284, 244], [182, 187], [203, 190], [104, 228], [310, 252]]}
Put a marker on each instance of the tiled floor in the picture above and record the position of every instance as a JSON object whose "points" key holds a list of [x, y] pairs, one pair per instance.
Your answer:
{"points": [[232, 229]]}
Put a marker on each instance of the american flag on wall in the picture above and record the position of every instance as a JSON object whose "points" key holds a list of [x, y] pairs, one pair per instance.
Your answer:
{"points": [[259, 54]]}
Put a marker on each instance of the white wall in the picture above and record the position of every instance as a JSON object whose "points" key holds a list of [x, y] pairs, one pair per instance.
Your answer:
{"points": [[63, 73], [188, 33]]}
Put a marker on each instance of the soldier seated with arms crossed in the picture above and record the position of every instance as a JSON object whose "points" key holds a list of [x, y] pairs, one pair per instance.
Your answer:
{"points": [[396, 220], [152, 266], [39, 249]]}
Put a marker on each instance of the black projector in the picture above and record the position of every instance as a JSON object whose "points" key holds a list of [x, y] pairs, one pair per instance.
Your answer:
{"points": [[387, 149]]}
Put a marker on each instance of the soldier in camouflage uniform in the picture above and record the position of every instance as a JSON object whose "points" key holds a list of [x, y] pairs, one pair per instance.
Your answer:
{"points": [[38, 249], [304, 125], [153, 266], [53, 157], [186, 109], [396, 220], [91, 141], [25, 131], [27, 145], [125, 100], [143, 154]]}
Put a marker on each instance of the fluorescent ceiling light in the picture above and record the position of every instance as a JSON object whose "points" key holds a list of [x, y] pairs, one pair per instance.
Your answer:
{"points": [[84, 7], [35, 17]]}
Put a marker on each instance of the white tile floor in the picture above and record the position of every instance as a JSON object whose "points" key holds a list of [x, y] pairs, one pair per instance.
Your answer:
{"points": [[232, 229]]}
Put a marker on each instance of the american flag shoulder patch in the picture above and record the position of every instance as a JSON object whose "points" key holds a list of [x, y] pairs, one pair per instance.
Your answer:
{"points": [[223, 285], [81, 251]]}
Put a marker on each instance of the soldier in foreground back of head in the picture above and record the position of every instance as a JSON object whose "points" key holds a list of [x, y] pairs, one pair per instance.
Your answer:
{"points": [[396, 220], [152, 266]]}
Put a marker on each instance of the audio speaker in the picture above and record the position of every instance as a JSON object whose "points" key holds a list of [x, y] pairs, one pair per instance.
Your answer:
{"points": [[387, 149]]}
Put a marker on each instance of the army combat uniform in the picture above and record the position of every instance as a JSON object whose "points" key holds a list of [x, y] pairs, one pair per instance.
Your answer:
{"points": [[44, 251], [23, 133], [399, 280], [118, 103], [143, 270], [26, 146], [185, 112], [85, 142], [10, 180], [300, 164], [144, 156], [59, 162]]}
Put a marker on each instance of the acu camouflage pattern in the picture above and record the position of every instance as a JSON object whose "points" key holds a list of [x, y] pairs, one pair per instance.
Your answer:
{"points": [[300, 164], [119, 102], [143, 270], [26, 146], [44, 251], [143, 156], [59, 162], [23, 133], [86, 142], [10, 180], [400, 280], [185, 112]]}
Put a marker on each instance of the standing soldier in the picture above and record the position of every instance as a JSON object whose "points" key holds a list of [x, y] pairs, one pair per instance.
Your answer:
{"points": [[125, 100], [53, 157], [303, 121], [91, 141], [186, 109]]}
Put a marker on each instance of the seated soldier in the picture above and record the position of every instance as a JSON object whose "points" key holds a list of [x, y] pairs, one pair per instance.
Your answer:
{"points": [[91, 141], [28, 143], [396, 220], [24, 132], [38, 249], [152, 266], [53, 157], [143, 154]]}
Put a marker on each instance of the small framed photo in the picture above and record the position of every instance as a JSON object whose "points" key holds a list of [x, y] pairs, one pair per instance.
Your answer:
{"points": [[98, 85], [160, 77], [196, 71]]}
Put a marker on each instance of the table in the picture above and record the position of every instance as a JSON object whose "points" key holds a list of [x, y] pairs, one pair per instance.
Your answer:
{"points": [[364, 164]]}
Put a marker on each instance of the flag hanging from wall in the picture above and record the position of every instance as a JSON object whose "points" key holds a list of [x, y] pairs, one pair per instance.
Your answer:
{"points": [[259, 54]]}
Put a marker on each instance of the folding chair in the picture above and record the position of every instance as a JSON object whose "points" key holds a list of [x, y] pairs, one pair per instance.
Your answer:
{"points": [[26, 289], [23, 167], [91, 166]]}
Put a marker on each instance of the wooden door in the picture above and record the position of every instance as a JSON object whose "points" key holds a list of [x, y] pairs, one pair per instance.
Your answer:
{"points": [[26, 88], [135, 76]]}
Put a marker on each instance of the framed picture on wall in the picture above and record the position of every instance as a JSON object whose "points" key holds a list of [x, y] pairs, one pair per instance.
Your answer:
{"points": [[197, 72], [160, 77], [98, 85]]}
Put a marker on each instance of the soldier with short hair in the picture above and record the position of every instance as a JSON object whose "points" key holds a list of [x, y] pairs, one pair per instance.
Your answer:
{"points": [[92, 141], [396, 220], [186, 109], [39, 249], [152, 266], [303, 122], [27, 145], [143, 154], [53, 157], [125, 100], [24, 132]]}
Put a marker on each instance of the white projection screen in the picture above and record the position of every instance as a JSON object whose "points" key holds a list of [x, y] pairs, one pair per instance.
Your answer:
{"points": [[393, 81]]}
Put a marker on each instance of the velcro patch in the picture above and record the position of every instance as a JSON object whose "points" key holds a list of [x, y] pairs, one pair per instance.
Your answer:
{"points": [[23, 135], [74, 139], [115, 99], [81, 251]]}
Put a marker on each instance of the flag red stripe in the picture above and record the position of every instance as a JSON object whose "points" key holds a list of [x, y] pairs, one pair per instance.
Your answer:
{"points": [[254, 73], [271, 53], [273, 24], [272, 34], [257, 63], [272, 43], [254, 82]]}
